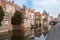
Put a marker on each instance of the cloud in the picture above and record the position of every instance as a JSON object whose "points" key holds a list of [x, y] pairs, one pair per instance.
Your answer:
{"points": [[54, 1], [21, 2], [40, 3], [48, 5], [51, 6], [44, 2]]}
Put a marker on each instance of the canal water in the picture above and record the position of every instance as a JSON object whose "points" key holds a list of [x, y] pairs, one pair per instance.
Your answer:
{"points": [[41, 37], [11, 35], [7, 36]]}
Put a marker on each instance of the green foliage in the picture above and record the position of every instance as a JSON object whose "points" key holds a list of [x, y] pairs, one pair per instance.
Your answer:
{"points": [[17, 18], [1, 14]]}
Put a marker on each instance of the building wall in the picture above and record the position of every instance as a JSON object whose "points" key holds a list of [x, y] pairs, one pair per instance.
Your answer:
{"points": [[28, 20], [9, 9], [1, 4], [38, 18], [27, 23], [45, 22]]}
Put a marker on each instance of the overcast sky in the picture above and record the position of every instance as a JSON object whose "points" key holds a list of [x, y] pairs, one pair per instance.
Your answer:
{"points": [[51, 6]]}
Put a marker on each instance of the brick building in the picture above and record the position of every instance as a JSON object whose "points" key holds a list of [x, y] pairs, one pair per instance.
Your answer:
{"points": [[28, 20], [37, 28], [9, 8]]}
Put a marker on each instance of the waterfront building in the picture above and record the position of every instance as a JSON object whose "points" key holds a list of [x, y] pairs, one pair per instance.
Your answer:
{"points": [[9, 8]]}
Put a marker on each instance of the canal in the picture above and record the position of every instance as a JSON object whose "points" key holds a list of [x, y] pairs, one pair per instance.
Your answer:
{"points": [[5, 35], [8, 35], [11, 35]]}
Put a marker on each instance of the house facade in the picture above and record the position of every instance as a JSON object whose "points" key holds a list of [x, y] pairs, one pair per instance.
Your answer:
{"points": [[9, 8], [28, 20]]}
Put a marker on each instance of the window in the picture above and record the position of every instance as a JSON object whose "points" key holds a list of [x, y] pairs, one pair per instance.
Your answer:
{"points": [[5, 23], [10, 9]]}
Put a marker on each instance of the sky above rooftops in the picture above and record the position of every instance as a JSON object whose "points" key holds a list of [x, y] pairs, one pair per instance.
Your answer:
{"points": [[51, 6]]}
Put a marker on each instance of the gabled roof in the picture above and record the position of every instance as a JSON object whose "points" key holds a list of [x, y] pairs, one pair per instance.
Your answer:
{"points": [[38, 14], [7, 2], [13, 4], [45, 13]]}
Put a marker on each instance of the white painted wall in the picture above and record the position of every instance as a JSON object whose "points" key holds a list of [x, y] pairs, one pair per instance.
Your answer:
{"points": [[10, 9]]}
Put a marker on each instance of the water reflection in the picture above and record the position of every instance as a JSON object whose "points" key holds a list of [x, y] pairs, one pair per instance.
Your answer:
{"points": [[8, 35], [11, 35], [5, 36]]}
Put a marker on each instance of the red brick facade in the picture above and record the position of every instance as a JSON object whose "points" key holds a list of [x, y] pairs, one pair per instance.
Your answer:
{"points": [[1, 4]]}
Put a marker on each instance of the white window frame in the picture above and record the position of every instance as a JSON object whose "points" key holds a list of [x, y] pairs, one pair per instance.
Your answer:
{"points": [[5, 23]]}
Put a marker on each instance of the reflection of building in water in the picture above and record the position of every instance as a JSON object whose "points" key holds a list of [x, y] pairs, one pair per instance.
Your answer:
{"points": [[28, 21], [5, 36]]}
